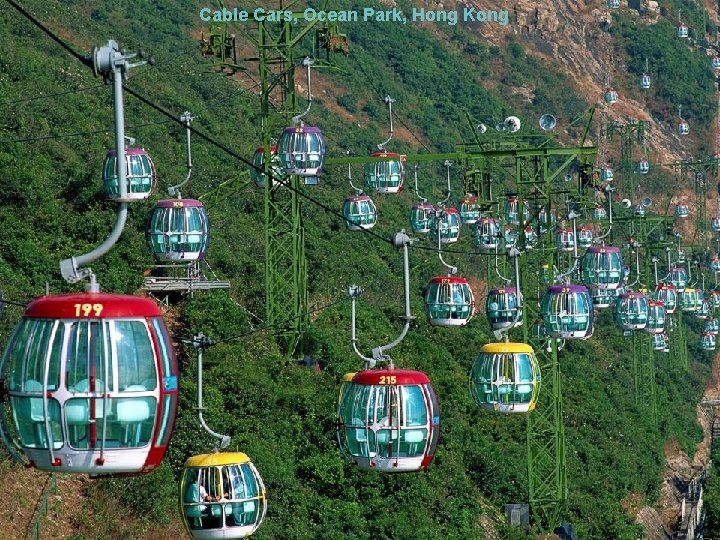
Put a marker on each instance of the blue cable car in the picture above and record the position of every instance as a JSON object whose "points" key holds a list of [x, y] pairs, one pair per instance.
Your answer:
{"points": [[659, 342], [682, 211], [469, 209], [256, 173], [585, 236], [140, 170], [599, 213], [359, 212], [656, 317], [631, 311], [707, 341], [565, 240], [449, 301], [450, 224], [602, 267], [715, 223], [385, 176], [486, 234], [645, 81], [512, 211], [505, 377], [501, 307], [567, 312], [668, 295], [678, 278], [301, 150], [421, 217], [711, 326]]}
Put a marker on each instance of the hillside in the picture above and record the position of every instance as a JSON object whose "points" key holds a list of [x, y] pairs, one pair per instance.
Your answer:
{"points": [[552, 59]]}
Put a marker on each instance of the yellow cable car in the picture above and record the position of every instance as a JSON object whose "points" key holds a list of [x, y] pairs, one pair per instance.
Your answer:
{"points": [[221, 496]]}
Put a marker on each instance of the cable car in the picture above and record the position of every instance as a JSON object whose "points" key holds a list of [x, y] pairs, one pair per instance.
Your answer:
{"points": [[530, 236], [715, 299], [501, 307], [645, 81], [505, 377], [682, 211], [602, 267], [599, 213], [643, 166], [631, 311], [567, 312], [716, 62], [689, 299], [388, 420], [681, 256], [601, 298], [714, 263], [703, 310], [385, 176], [711, 326], [682, 30], [656, 317], [565, 239], [715, 223], [585, 236], [421, 217], [256, 173], [449, 301], [683, 128], [359, 212], [486, 234], [678, 278], [469, 209], [512, 211], [301, 150], [542, 218], [178, 230], [93, 384], [667, 294], [449, 225], [640, 210], [659, 342], [510, 236], [221, 496], [613, 4], [606, 174], [610, 96], [141, 175], [707, 341]]}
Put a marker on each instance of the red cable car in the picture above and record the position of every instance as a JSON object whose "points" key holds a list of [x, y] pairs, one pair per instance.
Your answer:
{"points": [[388, 420], [93, 384]]}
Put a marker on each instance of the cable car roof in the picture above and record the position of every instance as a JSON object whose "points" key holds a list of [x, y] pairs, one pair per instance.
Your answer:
{"points": [[349, 376], [503, 290], [507, 348], [262, 149], [385, 153], [129, 152], [448, 279], [354, 198], [603, 249], [383, 376], [179, 203], [217, 459], [71, 306], [567, 289]]}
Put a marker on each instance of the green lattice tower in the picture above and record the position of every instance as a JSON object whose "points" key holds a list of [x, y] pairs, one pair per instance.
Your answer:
{"points": [[678, 345], [629, 134]]}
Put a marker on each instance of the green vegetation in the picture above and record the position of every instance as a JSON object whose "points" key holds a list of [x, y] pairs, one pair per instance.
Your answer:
{"points": [[280, 414]]}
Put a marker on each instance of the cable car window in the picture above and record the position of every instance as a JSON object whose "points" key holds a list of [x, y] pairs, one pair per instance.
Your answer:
{"points": [[88, 356], [29, 419], [136, 359], [415, 412]]}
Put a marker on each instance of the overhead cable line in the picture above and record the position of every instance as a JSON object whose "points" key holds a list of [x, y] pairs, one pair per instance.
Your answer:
{"points": [[79, 134], [44, 96]]}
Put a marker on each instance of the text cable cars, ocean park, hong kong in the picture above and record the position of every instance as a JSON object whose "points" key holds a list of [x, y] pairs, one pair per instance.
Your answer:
{"points": [[386, 175], [567, 312], [449, 300], [301, 148], [92, 377], [178, 229], [388, 419], [358, 210], [221, 493]]}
